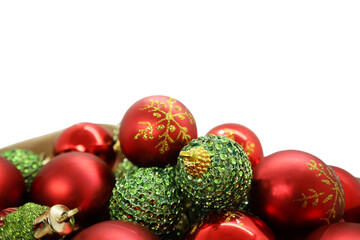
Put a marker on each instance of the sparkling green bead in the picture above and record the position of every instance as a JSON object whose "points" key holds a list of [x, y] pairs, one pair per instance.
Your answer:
{"points": [[19, 224], [28, 162], [124, 167], [225, 173], [148, 196]]}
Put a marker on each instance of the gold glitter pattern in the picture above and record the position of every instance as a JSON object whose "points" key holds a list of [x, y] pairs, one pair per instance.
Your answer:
{"points": [[166, 123], [196, 161], [248, 146], [329, 178]]}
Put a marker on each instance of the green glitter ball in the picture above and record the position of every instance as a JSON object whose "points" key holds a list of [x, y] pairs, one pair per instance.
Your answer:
{"points": [[124, 167], [150, 197], [214, 172], [19, 224], [28, 162]]}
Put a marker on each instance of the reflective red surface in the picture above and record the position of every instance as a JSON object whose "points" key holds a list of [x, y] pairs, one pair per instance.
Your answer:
{"points": [[154, 130], [229, 225], [76, 180], [294, 189], [86, 137], [116, 230], [336, 231], [243, 136], [12, 185]]}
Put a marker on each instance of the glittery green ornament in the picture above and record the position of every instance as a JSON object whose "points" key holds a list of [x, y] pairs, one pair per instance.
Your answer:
{"points": [[124, 167], [19, 224], [214, 172], [28, 162], [148, 196]]}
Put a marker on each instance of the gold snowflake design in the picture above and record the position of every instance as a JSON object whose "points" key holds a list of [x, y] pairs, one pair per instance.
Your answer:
{"points": [[327, 177], [248, 147], [231, 215], [166, 123]]}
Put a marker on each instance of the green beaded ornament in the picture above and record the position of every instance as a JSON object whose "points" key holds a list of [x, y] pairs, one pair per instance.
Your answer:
{"points": [[19, 224], [28, 162], [214, 172], [150, 197], [124, 167]]}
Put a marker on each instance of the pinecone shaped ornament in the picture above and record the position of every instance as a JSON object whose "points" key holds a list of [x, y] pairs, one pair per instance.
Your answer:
{"points": [[150, 197], [214, 172]]}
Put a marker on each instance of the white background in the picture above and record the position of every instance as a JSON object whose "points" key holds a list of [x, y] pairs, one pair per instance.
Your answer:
{"points": [[288, 70]]}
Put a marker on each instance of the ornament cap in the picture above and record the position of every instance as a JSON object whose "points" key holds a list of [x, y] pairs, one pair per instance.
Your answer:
{"points": [[196, 160], [57, 219]]}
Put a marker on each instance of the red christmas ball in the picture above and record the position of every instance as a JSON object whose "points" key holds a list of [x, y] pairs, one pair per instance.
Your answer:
{"points": [[86, 137], [296, 190], [116, 230], [154, 130], [336, 231], [229, 225], [243, 136], [76, 180], [351, 187], [12, 185]]}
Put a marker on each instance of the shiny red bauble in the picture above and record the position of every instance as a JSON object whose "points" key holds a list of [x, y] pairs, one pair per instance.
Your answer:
{"points": [[116, 230], [12, 185], [229, 225], [351, 187], [76, 180], [295, 189], [86, 137], [243, 136], [336, 231], [154, 130]]}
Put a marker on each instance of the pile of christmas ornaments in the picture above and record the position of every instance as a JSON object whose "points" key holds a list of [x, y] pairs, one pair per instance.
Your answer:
{"points": [[153, 177]]}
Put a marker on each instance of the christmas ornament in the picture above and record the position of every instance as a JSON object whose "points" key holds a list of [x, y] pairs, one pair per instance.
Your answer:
{"points": [[87, 137], [243, 136], [76, 180], [12, 185], [229, 225], [296, 190], [28, 162], [214, 172], [116, 230], [154, 129], [124, 167], [148, 196], [5, 212], [33, 221], [336, 231], [351, 186]]}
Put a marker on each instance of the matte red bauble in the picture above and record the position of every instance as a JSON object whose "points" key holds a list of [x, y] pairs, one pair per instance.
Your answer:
{"points": [[116, 230], [229, 225], [154, 129], [336, 231], [76, 180], [294, 189], [86, 137], [351, 187], [243, 136], [12, 185]]}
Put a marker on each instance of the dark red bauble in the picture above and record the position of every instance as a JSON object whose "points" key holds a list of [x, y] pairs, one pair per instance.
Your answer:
{"points": [[76, 180], [296, 190], [12, 185], [243, 136], [87, 137], [351, 187], [116, 230], [229, 225], [154, 130], [336, 231]]}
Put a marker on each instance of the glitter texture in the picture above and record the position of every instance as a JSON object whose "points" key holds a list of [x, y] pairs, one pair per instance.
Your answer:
{"points": [[226, 181], [18, 224], [28, 162], [150, 197], [124, 167]]}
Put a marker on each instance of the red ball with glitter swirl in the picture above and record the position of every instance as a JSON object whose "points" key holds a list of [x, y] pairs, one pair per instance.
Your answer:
{"points": [[243, 136], [296, 190], [154, 129]]}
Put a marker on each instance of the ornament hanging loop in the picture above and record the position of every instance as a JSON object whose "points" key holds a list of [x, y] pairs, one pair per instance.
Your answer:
{"points": [[57, 219]]}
